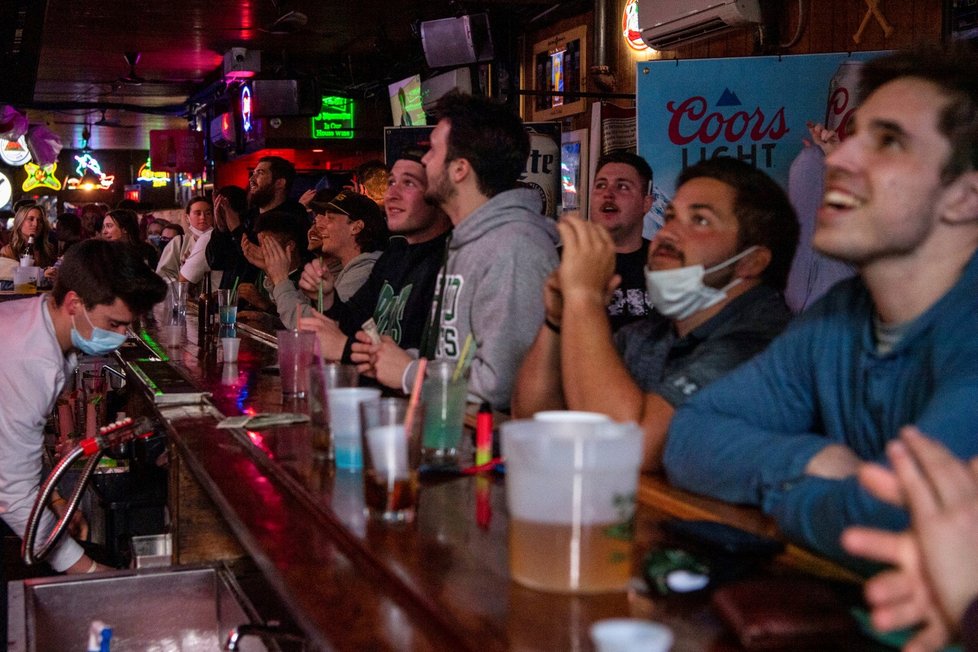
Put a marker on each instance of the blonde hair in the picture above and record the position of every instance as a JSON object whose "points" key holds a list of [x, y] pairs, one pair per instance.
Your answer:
{"points": [[44, 254]]}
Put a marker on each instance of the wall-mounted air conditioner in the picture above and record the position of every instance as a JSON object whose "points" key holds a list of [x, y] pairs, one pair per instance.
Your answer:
{"points": [[667, 24]]}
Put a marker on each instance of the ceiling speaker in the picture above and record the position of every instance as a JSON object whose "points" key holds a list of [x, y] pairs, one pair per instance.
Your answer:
{"points": [[285, 97], [456, 41]]}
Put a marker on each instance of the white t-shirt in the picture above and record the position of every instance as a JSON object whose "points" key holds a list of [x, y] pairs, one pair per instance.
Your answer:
{"points": [[33, 371]]}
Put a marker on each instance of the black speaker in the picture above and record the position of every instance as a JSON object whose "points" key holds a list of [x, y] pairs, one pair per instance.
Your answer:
{"points": [[456, 41], [285, 97]]}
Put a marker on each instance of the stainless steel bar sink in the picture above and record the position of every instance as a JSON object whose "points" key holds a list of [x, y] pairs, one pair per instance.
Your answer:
{"points": [[174, 609]]}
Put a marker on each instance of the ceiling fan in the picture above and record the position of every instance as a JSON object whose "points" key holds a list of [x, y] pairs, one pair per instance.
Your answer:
{"points": [[114, 124], [133, 78], [288, 22], [103, 121]]}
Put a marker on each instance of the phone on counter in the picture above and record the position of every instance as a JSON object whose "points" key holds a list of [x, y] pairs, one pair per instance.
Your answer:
{"points": [[723, 538]]}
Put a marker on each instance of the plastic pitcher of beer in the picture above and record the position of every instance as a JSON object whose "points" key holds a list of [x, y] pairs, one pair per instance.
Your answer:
{"points": [[570, 490]]}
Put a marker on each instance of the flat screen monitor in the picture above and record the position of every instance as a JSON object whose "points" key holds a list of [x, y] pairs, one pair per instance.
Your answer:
{"points": [[405, 97]]}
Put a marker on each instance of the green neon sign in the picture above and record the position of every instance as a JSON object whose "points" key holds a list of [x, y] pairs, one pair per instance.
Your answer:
{"points": [[335, 119]]}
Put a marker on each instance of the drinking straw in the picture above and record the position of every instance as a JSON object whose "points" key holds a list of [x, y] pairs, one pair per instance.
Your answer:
{"points": [[483, 434], [234, 290], [415, 395], [463, 363], [320, 285]]}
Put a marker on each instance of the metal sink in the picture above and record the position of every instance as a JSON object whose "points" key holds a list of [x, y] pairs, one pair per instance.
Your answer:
{"points": [[163, 610]]}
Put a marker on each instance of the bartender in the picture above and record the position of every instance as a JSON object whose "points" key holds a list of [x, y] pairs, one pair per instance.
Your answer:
{"points": [[102, 287]]}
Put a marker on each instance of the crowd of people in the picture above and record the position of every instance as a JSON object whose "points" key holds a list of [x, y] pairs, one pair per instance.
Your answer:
{"points": [[739, 399]]}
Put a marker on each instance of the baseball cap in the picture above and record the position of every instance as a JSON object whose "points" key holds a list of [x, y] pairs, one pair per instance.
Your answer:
{"points": [[349, 203]]}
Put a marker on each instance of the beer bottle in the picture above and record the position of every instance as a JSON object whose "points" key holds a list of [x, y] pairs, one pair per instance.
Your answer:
{"points": [[27, 255]]}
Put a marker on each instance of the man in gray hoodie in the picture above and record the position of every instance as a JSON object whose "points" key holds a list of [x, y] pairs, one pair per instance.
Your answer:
{"points": [[500, 253]]}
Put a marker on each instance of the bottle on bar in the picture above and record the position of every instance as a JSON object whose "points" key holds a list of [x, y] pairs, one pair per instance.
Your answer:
{"points": [[27, 255]]}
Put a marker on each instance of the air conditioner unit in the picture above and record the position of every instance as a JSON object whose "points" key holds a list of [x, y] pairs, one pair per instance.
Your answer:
{"points": [[667, 24]]}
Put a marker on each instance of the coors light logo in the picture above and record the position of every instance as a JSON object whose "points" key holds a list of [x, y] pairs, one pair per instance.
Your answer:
{"points": [[726, 130]]}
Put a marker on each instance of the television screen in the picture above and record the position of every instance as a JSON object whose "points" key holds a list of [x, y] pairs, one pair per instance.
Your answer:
{"points": [[405, 98]]}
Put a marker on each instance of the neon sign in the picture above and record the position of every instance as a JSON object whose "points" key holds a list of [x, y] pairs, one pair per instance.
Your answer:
{"points": [[147, 174], [246, 110], [335, 119], [630, 29], [88, 164], [41, 177], [6, 190], [14, 152]]}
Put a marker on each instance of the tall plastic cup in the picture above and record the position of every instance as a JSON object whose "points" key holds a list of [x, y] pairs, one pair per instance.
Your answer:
{"points": [[391, 456], [570, 489], [444, 397], [295, 353], [344, 423], [324, 377]]}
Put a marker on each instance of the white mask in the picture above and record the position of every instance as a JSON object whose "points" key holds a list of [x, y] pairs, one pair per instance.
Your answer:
{"points": [[198, 232], [679, 293]]}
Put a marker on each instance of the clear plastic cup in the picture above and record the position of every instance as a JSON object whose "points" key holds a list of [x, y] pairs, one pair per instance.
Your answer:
{"points": [[295, 355], [444, 396], [344, 423], [570, 489], [391, 444]]}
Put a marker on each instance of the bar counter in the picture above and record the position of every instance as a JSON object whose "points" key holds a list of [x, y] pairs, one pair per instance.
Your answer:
{"points": [[349, 583]]}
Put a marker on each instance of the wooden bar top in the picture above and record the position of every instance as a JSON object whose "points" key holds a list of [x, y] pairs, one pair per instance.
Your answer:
{"points": [[441, 583]]}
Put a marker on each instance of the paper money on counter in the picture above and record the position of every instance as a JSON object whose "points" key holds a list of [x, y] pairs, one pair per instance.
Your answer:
{"points": [[261, 421]]}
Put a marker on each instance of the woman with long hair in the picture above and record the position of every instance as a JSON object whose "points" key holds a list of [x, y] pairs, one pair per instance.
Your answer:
{"points": [[122, 224], [30, 221]]}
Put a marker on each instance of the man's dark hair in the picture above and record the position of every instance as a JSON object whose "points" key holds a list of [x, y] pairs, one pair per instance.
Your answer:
{"points": [[632, 159], [955, 72], [101, 272], [489, 136], [128, 223], [764, 215], [68, 228], [374, 234], [288, 224], [410, 153], [280, 169], [237, 198]]}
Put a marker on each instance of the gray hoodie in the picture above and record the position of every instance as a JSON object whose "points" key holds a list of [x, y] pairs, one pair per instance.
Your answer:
{"points": [[498, 260]]}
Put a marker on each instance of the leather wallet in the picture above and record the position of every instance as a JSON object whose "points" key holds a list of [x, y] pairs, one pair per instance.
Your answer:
{"points": [[784, 613]]}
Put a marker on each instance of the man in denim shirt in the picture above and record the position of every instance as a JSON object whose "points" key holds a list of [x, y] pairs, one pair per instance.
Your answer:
{"points": [[897, 345]]}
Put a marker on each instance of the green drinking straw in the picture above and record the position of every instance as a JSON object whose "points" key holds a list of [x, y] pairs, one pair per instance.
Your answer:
{"points": [[234, 291], [465, 359], [320, 286]]}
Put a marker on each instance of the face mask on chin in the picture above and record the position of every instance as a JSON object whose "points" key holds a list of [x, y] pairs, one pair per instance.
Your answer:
{"points": [[100, 343], [198, 232], [680, 293]]}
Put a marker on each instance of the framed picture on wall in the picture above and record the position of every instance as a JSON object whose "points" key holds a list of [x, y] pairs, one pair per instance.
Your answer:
{"points": [[559, 70], [574, 172]]}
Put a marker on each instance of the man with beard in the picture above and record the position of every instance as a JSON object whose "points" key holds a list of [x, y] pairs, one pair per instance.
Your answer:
{"points": [[895, 346], [499, 255], [715, 274], [620, 198], [268, 189], [397, 295]]}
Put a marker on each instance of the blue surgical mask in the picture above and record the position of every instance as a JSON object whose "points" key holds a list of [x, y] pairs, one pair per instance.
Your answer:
{"points": [[155, 240], [101, 342]]}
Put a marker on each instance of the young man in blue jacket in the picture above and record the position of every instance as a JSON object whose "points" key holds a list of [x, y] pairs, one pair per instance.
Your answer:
{"points": [[896, 345]]}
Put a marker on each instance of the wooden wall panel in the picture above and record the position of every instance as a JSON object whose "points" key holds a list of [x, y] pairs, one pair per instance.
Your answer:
{"points": [[829, 27]]}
